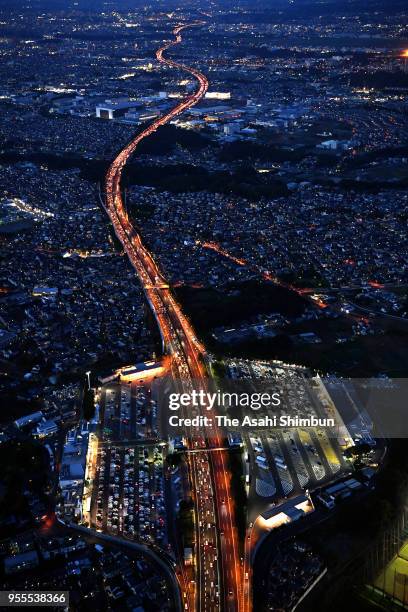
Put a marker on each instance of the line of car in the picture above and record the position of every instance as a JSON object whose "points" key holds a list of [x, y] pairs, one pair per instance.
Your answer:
{"points": [[130, 493]]}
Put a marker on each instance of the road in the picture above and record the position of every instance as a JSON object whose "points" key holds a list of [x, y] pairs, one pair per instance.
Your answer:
{"points": [[218, 579]]}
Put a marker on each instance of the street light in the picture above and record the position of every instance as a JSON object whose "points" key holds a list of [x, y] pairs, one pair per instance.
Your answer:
{"points": [[88, 374]]}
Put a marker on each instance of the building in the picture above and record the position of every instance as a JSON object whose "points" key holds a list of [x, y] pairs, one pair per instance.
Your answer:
{"points": [[339, 492], [334, 145], [147, 369], [111, 109], [234, 438], [218, 95], [331, 145], [188, 556], [139, 371], [50, 292], [132, 117], [30, 419], [72, 472], [46, 428], [286, 513]]}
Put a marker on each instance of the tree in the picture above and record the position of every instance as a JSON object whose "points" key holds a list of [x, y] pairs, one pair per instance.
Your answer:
{"points": [[88, 405]]}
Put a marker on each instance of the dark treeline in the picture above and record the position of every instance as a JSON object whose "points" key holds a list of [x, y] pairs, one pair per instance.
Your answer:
{"points": [[168, 137], [251, 150], [280, 11], [365, 158], [209, 307], [24, 468], [181, 178], [176, 179], [379, 80]]}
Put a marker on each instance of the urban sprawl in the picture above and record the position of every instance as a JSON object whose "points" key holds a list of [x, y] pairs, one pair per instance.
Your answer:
{"points": [[203, 213]]}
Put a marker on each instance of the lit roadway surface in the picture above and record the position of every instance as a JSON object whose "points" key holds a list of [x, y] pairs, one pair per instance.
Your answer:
{"points": [[218, 579]]}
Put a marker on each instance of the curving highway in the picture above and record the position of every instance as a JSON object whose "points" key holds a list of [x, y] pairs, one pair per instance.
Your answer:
{"points": [[218, 583]]}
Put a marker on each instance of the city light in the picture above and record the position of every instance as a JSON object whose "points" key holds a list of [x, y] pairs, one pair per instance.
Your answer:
{"points": [[203, 305]]}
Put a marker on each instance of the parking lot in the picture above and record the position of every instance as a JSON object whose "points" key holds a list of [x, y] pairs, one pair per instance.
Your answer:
{"points": [[128, 489], [285, 462], [129, 492], [130, 412]]}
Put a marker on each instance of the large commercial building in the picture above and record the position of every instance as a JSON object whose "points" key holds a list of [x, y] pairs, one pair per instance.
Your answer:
{"points": [[72, 473], [111, 109]]}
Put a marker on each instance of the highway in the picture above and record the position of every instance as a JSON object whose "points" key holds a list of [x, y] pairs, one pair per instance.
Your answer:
{"points": [[218, 577]]}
